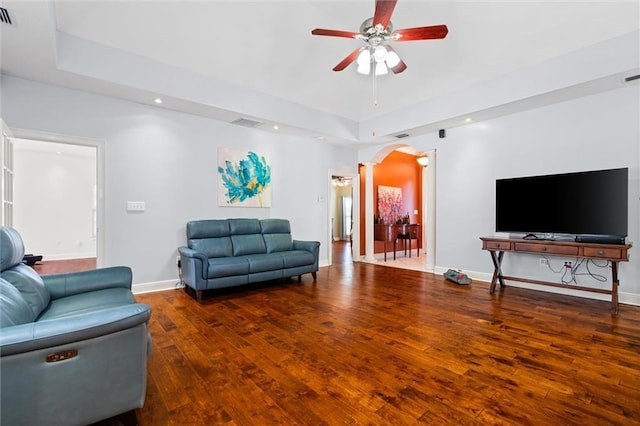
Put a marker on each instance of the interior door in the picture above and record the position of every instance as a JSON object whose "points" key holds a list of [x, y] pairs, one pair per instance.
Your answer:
{"points": [[6, 160]]}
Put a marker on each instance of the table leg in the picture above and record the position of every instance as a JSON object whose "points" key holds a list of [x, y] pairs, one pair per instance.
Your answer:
{"points": [[394, 248], [614, 287], [497, 272]]}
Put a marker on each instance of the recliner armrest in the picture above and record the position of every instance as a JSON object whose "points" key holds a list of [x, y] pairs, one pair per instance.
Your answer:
{"points": [[187, 252], [195, 255], [310, 246], [44, 334], [63, 285]]}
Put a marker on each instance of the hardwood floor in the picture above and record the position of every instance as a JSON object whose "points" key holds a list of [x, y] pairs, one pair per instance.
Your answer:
{"points": [[369, 344], [47, 267]]}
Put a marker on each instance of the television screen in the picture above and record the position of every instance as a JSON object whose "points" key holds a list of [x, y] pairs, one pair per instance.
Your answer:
{"points": [[591, 203]]}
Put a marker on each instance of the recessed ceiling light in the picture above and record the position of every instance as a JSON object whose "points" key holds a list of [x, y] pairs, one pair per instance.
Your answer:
{"points": [[275, 127], [468, 119], [157, 100]]}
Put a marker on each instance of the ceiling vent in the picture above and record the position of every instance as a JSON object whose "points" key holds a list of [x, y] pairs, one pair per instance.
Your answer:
{"points": [[4, 16], [402, 135], [633, 77], [244, 122]]}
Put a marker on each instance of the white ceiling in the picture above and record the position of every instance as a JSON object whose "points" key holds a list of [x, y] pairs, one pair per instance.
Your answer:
{"points": [[266, 47]]}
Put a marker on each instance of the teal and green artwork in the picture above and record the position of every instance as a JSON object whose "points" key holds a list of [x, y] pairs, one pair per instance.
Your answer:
{"points": [[244, 179]]}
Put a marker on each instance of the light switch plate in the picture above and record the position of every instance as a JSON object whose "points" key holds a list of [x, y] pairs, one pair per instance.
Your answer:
{"points": [[135, 206]]}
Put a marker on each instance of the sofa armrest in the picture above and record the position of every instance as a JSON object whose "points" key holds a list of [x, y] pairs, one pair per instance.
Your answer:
{"points": [[310, 246], [63, 285], [194, 265], [44, 334], [190, 253]]}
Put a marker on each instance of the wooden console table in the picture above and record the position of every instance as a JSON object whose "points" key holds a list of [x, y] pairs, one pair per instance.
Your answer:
{"points": [[614, 253], [392, 233]]}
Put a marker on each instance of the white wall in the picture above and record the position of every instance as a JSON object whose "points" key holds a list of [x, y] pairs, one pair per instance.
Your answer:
{"points": [[595, 132], [168, 160], [54, 200]]}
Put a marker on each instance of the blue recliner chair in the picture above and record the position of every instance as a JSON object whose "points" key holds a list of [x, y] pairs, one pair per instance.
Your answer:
{"points": [[73, 347]]}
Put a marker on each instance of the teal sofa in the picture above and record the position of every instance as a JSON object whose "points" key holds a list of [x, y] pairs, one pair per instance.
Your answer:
{"points": [[73, 347], [233, 252]]}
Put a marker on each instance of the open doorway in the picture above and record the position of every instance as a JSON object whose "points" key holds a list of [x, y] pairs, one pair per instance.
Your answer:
{"points": [[57, 200], [409, 176], [341, 214]]}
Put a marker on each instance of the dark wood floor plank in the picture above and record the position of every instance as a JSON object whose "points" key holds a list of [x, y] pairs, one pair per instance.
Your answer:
{"points": [[368, 344]]}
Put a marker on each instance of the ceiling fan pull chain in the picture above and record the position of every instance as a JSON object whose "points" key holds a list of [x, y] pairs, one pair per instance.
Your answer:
{"points": [[375, 92]]}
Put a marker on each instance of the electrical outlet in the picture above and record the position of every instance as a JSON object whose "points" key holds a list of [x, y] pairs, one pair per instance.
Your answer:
{"points": [[544, 262]]}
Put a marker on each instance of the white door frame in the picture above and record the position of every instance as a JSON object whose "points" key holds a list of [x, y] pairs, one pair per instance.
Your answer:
{"points": [[428, 201], [355, 229], [6, 174], [99, 144]]}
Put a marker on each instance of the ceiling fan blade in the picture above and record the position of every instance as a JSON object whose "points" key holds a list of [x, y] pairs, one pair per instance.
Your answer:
{"points": [[421, 33], [401, 65], [348, 60], [334, 33], [384, 10]]}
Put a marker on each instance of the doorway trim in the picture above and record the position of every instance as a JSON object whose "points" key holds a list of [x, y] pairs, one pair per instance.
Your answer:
{"points": [[428, 199], [355, 205], [99, 145]]}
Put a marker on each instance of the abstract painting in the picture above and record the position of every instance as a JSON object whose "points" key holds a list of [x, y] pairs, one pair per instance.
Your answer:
{"points": [[244, 179], [389, 204]]}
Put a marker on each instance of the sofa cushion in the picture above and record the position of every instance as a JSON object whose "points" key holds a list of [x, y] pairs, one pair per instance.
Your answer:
{"points": [[278, 242], [210, 237], [277, 235], [207, 228], [213, 247], [12, 248], [244, 226], [275, 226], [30, 285], [227, 266], [14, 309], [297, 258], [87, 302], [264, 262], [248, 244]]}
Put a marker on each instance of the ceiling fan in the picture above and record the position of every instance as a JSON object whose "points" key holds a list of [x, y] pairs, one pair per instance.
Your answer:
{"points": [[375, 32]]}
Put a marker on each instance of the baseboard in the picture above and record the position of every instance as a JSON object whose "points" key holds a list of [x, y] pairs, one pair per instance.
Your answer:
{"points": [[624, 298], [629, 299], [474, 275], [155, 286]]}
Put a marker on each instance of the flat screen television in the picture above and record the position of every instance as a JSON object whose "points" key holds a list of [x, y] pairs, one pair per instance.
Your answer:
{"points": [[592, 203]]}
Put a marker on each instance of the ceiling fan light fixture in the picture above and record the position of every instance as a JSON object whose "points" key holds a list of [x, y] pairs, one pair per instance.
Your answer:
{"points": [[392, 59], [380, 53], [364, 68], [364, 57], [381, 68]]}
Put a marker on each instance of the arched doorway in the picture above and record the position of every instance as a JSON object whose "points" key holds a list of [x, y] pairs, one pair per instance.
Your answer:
{"points": [[395, 167]]}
